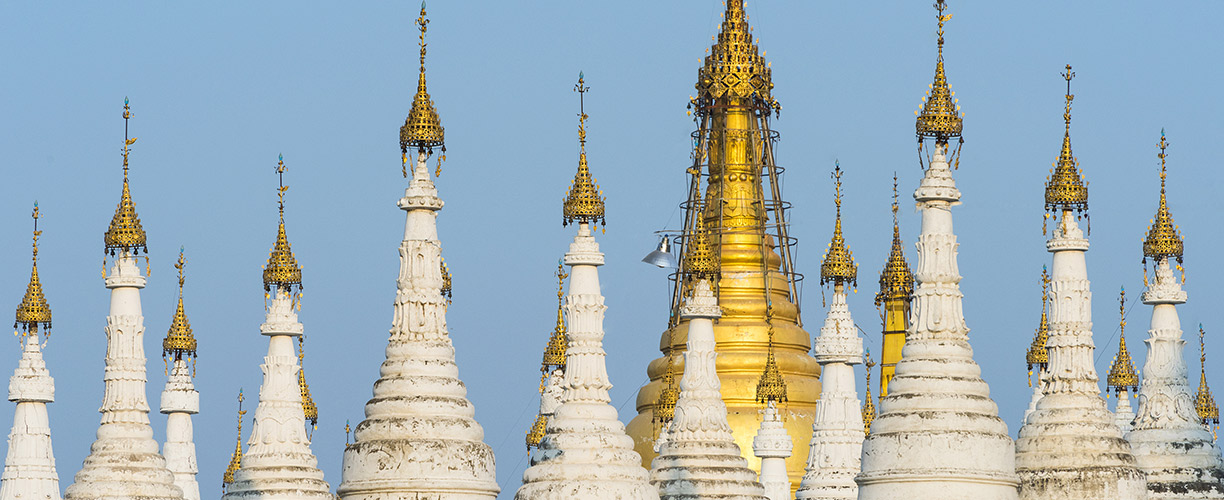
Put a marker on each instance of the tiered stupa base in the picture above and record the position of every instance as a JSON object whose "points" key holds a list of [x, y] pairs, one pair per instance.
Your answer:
{"points": [[124, 468], [598, 461], [1164, 453], [704, 470], [279, 477]]}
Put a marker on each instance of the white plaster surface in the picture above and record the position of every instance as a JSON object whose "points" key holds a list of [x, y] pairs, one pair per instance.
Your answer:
{"points": [[1124, 413], [29, 467], [773, 445], [179, 401]]}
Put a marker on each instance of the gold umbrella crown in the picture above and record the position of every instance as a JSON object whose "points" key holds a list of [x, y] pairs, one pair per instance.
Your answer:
{"points": [[33, 310], [125, 233], [838, 266]]}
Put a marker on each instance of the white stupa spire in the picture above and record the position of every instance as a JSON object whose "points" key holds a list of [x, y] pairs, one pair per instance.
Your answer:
{"points": [[1124, 414], [1179, 456], [699, 457], [29, 467], [773, 445], [180, 400], [1070, 448], [585, 452], [419, 411], [837, 433], [124, 461], [1123, 378], [278, 463]]}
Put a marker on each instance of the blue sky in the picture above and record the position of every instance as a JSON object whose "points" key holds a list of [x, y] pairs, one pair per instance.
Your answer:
{"points": [[219, 90]]}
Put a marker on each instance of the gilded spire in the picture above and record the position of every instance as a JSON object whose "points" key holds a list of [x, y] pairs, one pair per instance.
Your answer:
{"points": [[422, 129], [33, 309], [665, 405], [700, 258], [308, 405], [1065, 189], [1037, 354], [735, 67], [771, 386], [179, 341], [235, 459], [558, 342], [869, 409], [585, 202], [1163, 239], [536, 433], [896, 280], [125, 233], [838, 266], [446, 280], [940, 116], [282, 271], [1205, 403], [1122, 373]]}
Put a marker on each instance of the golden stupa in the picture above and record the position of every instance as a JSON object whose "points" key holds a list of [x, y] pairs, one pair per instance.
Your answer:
{"points": [[741, 209]]}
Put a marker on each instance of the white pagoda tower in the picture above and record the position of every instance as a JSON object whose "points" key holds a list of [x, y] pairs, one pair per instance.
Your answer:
{"points": [[1070, 448], [419, 438], [938, 435], [838, 432], [585, 452], [1123, 379], [278, 463], [1038, 355], [180, 400], [29, 467], [773, 446], [1179, 456], [124, 461], [552, 369]]}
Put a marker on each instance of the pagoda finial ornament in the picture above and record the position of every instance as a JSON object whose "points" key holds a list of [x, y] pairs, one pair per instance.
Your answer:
{"points": [[1122, 374], [894, 298], [838, 266], [940, 117], [423, 128], [125, 233], [869, 409], [700, 255], [446, 280], [1037, 354], [1164, 240], [772, 386], [235, 462], [584, 204], [33, 311], [1065, 189], [735, 67], [179, 341], [1204, 402], [558, 342], [282, 270], [309, 409]]}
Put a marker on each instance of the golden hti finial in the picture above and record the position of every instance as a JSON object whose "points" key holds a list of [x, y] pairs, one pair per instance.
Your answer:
{"points": [[536, 433], [1163, 241], [1204, 402], [125, 233], [940, 117], [771, 386], [665, 405], [348, 431], [701, 260], [869, 409], [584, 203], [896, 280], [179, 341], [558, 342], [838, 266], [422, 129], [33, 311], [282, 271], [1037, 354], [1065, 188], [235, 459], [309, 409], [734, 67], [446, 280], [1122, 374]]}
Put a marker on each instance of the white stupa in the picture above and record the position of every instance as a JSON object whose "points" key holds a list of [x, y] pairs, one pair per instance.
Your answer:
{"points": [[837, 433], [180, 400], [1070, 448], [278, 463], [773, 446], [1038, 355], [1179, 456], [938, 435], [585, 452], [552, 369], [29, 466], [419, 438], [124, 461], [1123, 378]]}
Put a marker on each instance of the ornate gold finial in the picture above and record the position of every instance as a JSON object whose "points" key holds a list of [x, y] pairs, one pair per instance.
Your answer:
{"points": [[896, 280], [838, 266], [536, 433], [700, 258], [348, 430], [1065, 189], [235, 459], [940, 117], [585, 202], [1122, 373], [665, 405], [771, 386], [1163, 239], [125, 233], [735, 68], [282, 270], [308, 405], [179, 341], [33, 309], [1037, 354], [422, 129], [446, 280], [1205, 403], [869, 409], [558, 342]]}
